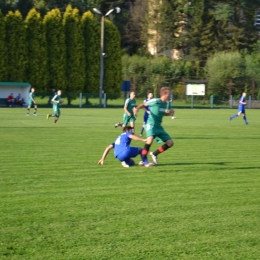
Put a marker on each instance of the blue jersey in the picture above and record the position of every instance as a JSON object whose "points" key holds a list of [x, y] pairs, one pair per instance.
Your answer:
{"points": [[241, 107], [146, 109], [242, 99], [122, 143]]}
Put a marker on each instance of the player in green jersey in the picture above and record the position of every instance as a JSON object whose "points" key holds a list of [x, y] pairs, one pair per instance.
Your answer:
{"points": [[56, 101], [129, 117], [31, 103], [154, 130]]}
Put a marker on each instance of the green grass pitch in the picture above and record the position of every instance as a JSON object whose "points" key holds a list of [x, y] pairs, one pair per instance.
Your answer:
{"points": [[201, 202]]}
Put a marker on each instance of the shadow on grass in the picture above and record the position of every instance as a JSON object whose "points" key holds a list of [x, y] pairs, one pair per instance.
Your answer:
{"points": [[192, 163]]}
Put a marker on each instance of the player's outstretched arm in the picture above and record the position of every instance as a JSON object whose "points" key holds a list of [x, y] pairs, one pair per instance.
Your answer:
{"points": [[136, 138], [169, 112], [102, 160], [136, 109]]}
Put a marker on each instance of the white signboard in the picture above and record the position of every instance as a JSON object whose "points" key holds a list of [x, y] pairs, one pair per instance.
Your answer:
{"points": [[195, 89]]}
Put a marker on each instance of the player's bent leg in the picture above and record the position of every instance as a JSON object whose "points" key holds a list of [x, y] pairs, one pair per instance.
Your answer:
{"points": [[168, 144], [56, 118], [130, 162], [35, 111]]}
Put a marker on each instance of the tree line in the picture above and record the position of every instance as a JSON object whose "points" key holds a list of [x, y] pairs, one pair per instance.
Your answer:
{"points": [[206, 33], [58, 50], [225, 73]]}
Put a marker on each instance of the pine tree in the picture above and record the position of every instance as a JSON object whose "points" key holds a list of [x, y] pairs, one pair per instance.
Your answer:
{"points": [[112, 63], [75, 57], [91, 34], [37, 72], [56, 49], [16, 46], [3, 53]]}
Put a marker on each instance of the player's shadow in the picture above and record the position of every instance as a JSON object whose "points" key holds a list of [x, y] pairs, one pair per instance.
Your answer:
{"points": [[192, 163], [247, 168]]}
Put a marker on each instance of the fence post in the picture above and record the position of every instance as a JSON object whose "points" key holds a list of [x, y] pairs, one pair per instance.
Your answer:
{"points": [[105, 100], [80, 99], [191, 105], [211, 101], [250, 102], [230, 101]]}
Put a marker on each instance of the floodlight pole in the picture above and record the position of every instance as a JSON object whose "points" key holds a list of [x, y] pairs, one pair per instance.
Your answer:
{"points": [[101, 61], [102, 53]]}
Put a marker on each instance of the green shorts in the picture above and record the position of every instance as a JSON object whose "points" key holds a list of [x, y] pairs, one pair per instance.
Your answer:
{"points": [[128, 119], [31, 104], [159, 134], [56, 110]]}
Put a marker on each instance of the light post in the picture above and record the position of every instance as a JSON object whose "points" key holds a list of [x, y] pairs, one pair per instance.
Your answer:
{"points": [[102, 53]]}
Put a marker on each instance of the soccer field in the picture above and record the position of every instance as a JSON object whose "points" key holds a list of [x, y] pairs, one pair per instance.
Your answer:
{"points": [[201, 202]]}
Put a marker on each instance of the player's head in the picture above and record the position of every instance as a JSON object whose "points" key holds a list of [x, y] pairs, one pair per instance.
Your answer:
{"points": [[132, 95], [59, 92], [150, 95], [165, 93], [32, 90], [127, 129], [244, 94]]}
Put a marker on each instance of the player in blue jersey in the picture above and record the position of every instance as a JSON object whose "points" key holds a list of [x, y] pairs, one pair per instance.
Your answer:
{"points": [[241, 108], [147, 111], [122, 149]]}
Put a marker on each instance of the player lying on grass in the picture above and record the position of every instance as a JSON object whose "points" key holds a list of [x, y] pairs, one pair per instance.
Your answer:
{"points": [[159, 107], [122, 149]]}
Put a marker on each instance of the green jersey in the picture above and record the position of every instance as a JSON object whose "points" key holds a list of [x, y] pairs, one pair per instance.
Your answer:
{"points": [[31, 97], [157, 110], [55, 105], [130, 104]]}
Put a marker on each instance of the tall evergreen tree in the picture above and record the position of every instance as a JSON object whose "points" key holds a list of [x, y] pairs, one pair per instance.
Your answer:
{"points": [[37, 72], [3, 52], [113, 63], [75, 69], [171, 19], [56, 49], [135, 36], [91, 34], [220, 26], [16, 46]]}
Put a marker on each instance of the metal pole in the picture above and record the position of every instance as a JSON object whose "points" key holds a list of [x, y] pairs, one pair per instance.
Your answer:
{"points": [[101, 61], [105, 100], [250, 102], [80, 99]]}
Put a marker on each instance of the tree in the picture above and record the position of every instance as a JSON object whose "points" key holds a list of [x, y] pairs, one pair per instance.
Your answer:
{"points": [[56, 49], [135, 36], [220, 26], [75, 57], [3, 52], [16, 46], [37, 72], [91, 34], [225, 72], [112, 63]]}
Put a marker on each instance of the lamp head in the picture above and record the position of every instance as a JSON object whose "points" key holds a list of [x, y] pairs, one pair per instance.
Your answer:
{"points": [[97, 11], [118, 10]]}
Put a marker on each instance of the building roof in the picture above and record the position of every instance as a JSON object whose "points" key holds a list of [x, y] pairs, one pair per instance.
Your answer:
{"points": [[15, 84]]}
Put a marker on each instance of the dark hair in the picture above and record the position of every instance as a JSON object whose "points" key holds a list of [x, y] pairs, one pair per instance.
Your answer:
{"points": [[127, 129]]}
